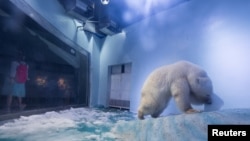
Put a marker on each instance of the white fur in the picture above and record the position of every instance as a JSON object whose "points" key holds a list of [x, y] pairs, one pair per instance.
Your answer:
{"points": [[186, 82]]}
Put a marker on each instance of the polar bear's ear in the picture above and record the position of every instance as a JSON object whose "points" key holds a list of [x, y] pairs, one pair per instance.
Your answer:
{"points": [[200, 80], [204, 81]]}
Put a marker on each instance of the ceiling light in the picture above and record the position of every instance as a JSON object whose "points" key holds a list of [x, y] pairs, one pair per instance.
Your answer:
{"points": [[105, 2]]}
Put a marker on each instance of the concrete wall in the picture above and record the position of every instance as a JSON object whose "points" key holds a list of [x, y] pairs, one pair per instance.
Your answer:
{"points": [[214, 34]]}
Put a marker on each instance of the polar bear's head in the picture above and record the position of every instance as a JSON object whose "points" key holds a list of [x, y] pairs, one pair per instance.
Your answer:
{"points": [[201, 91]]}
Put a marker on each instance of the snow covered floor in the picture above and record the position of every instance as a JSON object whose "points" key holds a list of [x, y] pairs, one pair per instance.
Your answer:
{"points": [[84, 124]]}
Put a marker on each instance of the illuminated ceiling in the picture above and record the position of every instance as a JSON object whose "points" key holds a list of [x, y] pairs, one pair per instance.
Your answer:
{"points": [[115, 15], [127, 12]]}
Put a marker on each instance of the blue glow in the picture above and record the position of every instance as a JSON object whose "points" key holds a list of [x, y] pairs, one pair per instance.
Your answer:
{"points": [[228, 53], [143, 8], [146, 6]]}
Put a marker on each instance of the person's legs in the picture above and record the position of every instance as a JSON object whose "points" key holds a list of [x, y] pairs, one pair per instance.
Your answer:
{"points": [[19, 91], [9, 102], [8, 91], [21, 105]]}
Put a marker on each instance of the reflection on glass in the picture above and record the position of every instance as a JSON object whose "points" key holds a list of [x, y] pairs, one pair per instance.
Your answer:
{"points": [[41, 80]]}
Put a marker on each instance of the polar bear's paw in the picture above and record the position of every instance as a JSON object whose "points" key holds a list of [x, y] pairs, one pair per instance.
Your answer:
{"points": [[140, 115], [191, 111]]}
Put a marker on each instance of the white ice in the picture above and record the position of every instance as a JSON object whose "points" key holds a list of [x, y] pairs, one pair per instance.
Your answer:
{"points": [[86, 124], [75, 124]]}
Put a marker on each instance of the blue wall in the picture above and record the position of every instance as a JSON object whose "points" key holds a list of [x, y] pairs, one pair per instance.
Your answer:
{"points": [[214, 34]]}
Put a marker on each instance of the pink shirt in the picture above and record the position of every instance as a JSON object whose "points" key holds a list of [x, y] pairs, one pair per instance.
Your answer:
{"points": [[13, 68]]}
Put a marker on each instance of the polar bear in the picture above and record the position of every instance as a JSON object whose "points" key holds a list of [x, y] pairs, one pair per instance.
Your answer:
{"points": [[186, 82]]}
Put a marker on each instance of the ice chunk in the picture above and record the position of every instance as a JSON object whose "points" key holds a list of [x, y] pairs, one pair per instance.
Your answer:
{"points": [[178, 127]]}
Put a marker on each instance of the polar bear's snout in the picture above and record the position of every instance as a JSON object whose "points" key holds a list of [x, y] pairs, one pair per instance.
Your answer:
{"points": [[208, 99]]}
